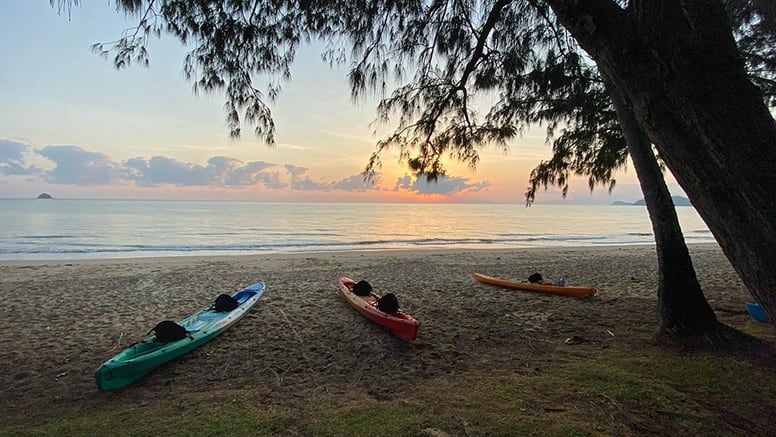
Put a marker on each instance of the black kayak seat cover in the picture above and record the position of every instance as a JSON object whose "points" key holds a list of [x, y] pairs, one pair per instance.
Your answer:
{"points": [[362, 288], [225, 302], [167, 331], [536, 277], [388, 303]]}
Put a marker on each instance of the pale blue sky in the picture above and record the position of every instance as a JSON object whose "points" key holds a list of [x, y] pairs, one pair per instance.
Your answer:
{"points": [[73, 126]]}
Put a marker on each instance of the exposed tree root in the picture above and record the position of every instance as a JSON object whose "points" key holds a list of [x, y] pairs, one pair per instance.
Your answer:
{"points": [[722, 340]]}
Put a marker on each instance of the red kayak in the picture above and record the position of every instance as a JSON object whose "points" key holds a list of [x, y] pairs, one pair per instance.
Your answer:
{"points": [[400, 323]]}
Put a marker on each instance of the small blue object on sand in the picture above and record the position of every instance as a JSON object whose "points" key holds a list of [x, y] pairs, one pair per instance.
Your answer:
{"points": [[756, 312]]}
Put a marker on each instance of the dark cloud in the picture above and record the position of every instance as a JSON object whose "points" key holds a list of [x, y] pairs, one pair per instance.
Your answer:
{"points": [[300, 180], [161, 170], [295, 171], [256, 172], [12, 159], [75, 166], [271, 180], [240, 174], [444, 185], [356, 183]]}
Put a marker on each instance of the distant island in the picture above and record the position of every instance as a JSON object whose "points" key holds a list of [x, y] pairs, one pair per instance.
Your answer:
{"points": [[678, 201], [45, 196]]}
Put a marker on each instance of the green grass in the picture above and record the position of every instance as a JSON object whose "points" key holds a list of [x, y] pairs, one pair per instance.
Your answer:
{"points": [[163, 419], [611, 393], [386, 419]]}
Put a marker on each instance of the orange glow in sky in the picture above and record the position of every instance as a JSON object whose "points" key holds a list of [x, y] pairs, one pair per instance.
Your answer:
{"points": [[74, 127]]}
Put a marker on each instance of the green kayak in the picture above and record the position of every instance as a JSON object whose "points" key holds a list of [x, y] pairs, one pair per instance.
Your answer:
{"points": [[144, 356]]}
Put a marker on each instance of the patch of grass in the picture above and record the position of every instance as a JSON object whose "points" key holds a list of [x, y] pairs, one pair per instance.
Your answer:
{"points": [[477, 415], [611, 393], [664, 391], [635, 400], [725, 386], [513, 404], [385, 418], [163, 419], [595, 392]]}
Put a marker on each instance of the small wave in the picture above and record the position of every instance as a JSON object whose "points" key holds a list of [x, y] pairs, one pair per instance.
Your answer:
{"points": [[130, 250], [48, 237]]}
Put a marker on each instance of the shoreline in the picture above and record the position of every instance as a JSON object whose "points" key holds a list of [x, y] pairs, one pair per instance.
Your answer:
{"points": [[344, 254]]}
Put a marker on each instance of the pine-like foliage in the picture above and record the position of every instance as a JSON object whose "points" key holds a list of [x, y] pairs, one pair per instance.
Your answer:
{"points": [[452, 76]]}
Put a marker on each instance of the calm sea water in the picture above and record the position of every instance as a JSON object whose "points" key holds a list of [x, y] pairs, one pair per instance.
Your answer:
{"points": [[35, 229]]}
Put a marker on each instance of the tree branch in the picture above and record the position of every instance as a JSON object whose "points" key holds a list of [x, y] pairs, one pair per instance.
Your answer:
{"points": [[493, 18]]}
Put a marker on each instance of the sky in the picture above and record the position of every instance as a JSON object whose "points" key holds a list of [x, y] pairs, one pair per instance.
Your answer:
{"points": [[74, 127]]}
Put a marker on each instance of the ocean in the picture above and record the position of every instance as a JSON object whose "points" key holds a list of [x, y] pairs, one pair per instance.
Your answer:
{"points": [[58, 229]]}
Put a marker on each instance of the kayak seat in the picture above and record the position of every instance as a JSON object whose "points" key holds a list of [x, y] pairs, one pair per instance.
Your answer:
{"points": [[388, 303], [362, 288], [225, 303]]}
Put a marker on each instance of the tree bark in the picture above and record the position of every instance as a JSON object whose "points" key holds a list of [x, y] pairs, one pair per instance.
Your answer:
{"points": [[678, 69], [682, 307]]}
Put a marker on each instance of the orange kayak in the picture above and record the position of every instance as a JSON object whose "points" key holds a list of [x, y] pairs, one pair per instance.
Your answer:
{"points": [[563, 290], [400, 323]]}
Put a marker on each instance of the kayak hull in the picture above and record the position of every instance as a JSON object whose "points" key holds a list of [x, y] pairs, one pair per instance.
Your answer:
{"points": [[144, 356], [562, 290], [399, 323]]}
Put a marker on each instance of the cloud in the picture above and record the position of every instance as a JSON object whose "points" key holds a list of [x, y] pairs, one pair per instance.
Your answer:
{"points": [[161, 170], [356, 183], [75, 166], [219, 171], [12, 159], [444, 185], [250, 173], [300, 180]]}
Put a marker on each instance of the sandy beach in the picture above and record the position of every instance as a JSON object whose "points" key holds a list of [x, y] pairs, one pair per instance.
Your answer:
{"points": [[62, 319]]}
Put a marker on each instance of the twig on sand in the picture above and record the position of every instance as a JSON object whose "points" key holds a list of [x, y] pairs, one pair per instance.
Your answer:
{"points": [[279, 376], [118, 342], [623, 411]]}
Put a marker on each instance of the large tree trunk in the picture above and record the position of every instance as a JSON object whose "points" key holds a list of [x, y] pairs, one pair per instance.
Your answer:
{"points": [[677, 66], [682, 307]]}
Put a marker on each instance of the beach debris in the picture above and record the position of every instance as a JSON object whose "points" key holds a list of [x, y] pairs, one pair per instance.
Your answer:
{"points": [[118, 342], [610, 332], [575, 339], [60, 375]]}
